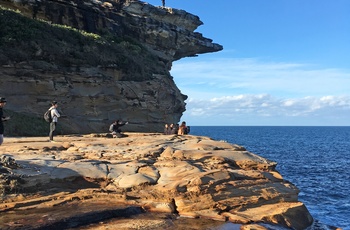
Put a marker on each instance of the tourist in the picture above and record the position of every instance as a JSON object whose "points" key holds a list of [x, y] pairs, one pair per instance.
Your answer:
{"points": [[115, 130], [173, 129], [183, 129], [54, 116], [163, 3], [3, 118], [167, 129]]}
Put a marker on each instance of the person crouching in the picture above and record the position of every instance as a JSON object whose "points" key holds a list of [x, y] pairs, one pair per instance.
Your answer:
{"points": [[115, 130]]}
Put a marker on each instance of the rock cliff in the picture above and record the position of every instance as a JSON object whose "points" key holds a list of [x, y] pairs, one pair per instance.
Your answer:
{"points": [[115, 65], [89, 179]]}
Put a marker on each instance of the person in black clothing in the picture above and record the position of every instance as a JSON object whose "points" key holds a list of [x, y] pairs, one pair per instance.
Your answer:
{"points": [[167, 129], [114, 128], [174, 128], [163, 3], [2, 119]]}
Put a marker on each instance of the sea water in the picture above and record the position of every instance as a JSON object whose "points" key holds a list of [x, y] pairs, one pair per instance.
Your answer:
{"points": [[315, 159]]}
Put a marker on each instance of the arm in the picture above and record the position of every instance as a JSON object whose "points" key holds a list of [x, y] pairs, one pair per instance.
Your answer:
{"points": [[111, 128], [56, 113]]}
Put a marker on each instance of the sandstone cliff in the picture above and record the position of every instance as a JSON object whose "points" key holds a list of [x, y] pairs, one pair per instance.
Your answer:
{"points": [[89, 179], [119, 70]]}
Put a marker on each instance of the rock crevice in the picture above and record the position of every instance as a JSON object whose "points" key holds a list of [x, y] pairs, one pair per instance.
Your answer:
{"points": [[137, 171]]}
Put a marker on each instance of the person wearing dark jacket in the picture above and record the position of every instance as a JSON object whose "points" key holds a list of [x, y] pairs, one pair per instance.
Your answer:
{"points": [[167, 129], [2, 119], [114, 128]]}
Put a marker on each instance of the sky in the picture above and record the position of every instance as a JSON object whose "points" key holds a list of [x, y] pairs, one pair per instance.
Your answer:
{"points": [[284, 63]]}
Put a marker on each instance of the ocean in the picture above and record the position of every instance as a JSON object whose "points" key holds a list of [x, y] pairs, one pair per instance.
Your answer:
{"points": [[315, 159]]}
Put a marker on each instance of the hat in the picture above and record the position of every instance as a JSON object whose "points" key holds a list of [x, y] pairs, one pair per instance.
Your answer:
{"points": [[2, 99]]}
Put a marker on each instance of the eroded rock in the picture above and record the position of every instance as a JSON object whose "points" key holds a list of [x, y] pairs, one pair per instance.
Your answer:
{"points": [[216, 181]]}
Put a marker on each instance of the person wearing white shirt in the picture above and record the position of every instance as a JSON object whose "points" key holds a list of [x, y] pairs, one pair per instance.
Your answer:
{"points": [[54, 115]]}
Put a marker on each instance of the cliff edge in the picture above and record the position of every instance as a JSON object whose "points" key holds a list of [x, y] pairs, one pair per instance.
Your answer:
{"points": [[102, 60], [91, 179]]}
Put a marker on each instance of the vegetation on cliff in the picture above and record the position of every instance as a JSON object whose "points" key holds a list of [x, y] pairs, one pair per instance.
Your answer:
{"points": [[52, 47]]}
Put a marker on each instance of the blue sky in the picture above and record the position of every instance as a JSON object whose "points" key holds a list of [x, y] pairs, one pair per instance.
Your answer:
{"points": [[284, 63]]}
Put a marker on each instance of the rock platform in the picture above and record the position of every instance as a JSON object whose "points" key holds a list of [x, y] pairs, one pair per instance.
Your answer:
{"points": [[96, 178]]}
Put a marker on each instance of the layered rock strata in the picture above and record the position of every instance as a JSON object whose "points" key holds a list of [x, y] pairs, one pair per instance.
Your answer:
{"points": [[190, 176], [94, 83]]}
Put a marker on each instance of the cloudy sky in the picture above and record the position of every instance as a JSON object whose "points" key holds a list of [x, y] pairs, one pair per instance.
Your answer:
{"points": [[284, 63]]}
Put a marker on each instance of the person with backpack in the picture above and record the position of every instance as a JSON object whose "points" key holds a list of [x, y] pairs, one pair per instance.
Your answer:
{"points": [[2, 119], [54, 118], [183, 129]]}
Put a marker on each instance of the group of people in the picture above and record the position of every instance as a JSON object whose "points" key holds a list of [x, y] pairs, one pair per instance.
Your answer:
{"points": [[114, 128], [183, 129]]}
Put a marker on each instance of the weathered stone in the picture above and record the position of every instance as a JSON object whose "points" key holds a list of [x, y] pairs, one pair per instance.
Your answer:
{"points": [[209, 182]]}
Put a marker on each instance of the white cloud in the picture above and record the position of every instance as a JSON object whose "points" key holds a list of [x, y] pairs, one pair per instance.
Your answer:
{"points": [[256, 92], [228, 76], [256, 108]]}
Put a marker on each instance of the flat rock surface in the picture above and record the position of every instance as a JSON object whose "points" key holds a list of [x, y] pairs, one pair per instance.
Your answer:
{"points": [[186, 176]]}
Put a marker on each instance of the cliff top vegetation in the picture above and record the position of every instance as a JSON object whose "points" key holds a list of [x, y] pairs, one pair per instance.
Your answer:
{"points": [[53, 47]]}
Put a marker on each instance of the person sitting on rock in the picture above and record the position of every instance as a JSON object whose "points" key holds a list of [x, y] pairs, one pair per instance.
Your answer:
{"points": [[115, 130]]}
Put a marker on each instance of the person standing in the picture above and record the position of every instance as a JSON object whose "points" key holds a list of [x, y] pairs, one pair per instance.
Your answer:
{"points": [[54, 115], [183, 129], [163, 3], [167, 129], [3, 118]]}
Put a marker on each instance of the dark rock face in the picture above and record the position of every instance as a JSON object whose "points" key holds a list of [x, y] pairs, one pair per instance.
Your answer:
{"points": [[93, 94]]}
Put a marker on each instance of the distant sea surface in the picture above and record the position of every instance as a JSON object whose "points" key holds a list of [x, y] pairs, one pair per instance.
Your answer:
{"points": [[315, 159]]}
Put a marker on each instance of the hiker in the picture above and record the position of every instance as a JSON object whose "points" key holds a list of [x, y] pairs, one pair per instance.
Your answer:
{"points": [[3, 118], [54, 116], [173, 128], [115, 130], [183, 129], [167, 129], [163, 3]]}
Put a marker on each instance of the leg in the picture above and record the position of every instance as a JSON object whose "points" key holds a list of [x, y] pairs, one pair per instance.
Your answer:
{"points": [[1, 139], [52, 130]]}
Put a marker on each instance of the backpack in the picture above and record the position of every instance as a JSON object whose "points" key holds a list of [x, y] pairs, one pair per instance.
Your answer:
{"points": [[47, 116]]}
